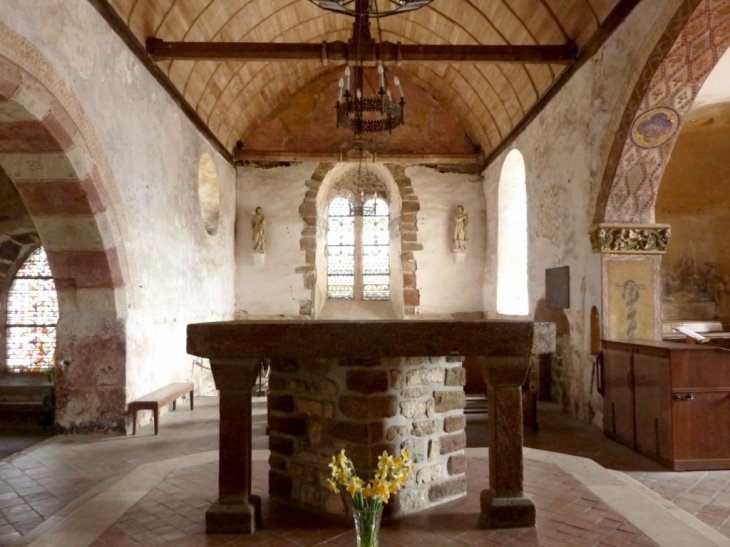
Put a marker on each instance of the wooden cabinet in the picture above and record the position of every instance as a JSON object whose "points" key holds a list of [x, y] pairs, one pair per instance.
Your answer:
{"points": [[669, 401]]}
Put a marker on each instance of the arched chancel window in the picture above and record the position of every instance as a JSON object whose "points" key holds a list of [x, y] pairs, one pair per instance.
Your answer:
{"points": [[512, 297], [358, 250], [32, 317]]}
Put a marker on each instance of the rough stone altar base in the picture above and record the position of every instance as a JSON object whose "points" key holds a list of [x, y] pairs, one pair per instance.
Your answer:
{"points": [[319, 406]]}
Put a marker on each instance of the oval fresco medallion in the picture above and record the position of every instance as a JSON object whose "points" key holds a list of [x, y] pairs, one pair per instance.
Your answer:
{"points": [[655, 127]]}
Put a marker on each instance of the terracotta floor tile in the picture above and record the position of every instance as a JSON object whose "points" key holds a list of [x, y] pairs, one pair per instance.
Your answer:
{"points": [[40, 482]]}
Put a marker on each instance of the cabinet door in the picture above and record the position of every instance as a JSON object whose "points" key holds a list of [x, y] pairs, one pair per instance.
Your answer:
{"points": [[701, 429], [618, 399], [652, 395]]}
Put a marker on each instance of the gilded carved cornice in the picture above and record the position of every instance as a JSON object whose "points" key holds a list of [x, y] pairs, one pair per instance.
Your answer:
{"points": [[630, 238]]}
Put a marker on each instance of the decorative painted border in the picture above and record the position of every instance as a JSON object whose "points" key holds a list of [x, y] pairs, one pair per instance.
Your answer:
{"points": [[693, 42], [630, 238]]}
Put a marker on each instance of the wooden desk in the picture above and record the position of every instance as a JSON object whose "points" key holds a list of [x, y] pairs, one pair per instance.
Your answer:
{"points": [[669, 401]]}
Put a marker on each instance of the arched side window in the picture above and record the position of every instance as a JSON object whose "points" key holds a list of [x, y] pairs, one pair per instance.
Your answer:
{"points": [[358, 250], [32, 316], [512, 292]]}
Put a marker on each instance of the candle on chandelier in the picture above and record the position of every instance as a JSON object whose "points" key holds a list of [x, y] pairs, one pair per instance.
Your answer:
{"points": [[396, 81]]}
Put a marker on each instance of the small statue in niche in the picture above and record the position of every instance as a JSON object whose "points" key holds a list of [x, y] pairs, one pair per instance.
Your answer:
{"points": [[461, 220], [258, 229]]}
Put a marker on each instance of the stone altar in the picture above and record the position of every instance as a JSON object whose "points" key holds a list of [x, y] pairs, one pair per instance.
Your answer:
{"points": [[367, 386]]}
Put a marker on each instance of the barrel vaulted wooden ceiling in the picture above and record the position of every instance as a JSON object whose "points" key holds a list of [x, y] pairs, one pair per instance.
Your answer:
{"points": [[488, 99]]}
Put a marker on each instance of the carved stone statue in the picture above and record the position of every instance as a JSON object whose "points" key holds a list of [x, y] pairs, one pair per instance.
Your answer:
{"points": [[461, 220], [258, 229]]}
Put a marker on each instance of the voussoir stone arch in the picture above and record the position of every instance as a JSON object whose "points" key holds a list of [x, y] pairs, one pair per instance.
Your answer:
{"points": [[47, 157], [689, 49]]}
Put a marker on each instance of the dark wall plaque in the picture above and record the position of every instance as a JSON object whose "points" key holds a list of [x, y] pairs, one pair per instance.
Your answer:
{"points": [[557, 287]]}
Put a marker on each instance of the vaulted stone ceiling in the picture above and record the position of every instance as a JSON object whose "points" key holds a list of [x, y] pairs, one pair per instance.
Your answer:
{"points": [[233, 97]]}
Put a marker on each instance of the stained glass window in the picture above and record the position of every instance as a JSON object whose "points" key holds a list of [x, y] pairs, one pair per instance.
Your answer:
{"points": [[341, 250], [358, 245], [32, 316], [375, 250]]}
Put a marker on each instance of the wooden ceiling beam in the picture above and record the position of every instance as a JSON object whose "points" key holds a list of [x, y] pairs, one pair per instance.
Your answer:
{"points": [[352, 156], [339, 52]]}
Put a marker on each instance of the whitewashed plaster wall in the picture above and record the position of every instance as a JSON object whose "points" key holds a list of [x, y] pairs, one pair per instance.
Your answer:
{"points": [[274, 289], [565, 150], [448, 286], [177, 272]]}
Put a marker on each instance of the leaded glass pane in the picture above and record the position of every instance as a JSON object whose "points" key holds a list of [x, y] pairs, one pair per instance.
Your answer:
{"points": [[32, 302], [340, 207], [341, 231], [36, 265], [376, 250], [31, 317], [30, 349], [341, 250]]}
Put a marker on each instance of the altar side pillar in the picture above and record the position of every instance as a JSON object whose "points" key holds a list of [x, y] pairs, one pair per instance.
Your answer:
{"points": [[504, 504], [236, 511]]}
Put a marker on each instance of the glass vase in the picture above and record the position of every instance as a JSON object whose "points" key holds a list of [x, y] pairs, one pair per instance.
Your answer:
{"points": [[367, 526]]}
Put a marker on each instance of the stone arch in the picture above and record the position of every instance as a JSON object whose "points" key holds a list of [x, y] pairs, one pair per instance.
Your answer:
{"points": [[403, 230], [692, 44], [46, 156]]}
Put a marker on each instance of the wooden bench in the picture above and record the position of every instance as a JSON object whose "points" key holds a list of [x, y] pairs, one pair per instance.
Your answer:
{"points": [[153, 401]]}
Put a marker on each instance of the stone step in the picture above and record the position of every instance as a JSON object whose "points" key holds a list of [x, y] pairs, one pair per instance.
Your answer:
{"points": [[23, 393], [20, 407], [476, 404], [21, 416]]}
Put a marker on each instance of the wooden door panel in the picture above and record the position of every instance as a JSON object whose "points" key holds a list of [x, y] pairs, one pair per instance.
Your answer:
{"points": [[618, 402], [652, 397], [701, 425]]}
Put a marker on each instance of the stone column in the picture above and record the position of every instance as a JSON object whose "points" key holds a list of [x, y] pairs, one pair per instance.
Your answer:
{"points": [[504, 505], [236, 511], [631, 278]]}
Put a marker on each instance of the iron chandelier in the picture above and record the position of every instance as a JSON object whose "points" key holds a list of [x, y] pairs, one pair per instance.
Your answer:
{"points": [[375, 8], [356, 111]]}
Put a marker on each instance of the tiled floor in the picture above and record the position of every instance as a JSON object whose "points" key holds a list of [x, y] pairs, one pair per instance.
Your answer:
{"points": [[704, 494], [173, 514], [154, 490]]}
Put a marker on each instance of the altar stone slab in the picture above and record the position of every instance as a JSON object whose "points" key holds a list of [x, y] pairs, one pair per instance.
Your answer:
{"points": [[335, 362]]}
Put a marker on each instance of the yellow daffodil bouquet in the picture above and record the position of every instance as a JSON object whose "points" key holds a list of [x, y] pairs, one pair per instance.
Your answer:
{"points": [[390, 477]]}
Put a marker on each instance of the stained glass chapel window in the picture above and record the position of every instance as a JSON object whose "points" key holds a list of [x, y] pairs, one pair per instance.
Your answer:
{"points": [[375, 250], [358, 251], [32, 316]]}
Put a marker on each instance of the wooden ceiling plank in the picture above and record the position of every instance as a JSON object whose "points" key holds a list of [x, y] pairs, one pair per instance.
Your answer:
{"points": [[617, 16], [124, 8], [602, 8], [250, 78], [579, 22], [202, 68], [456, 82], [338, 52], [118, 25]]}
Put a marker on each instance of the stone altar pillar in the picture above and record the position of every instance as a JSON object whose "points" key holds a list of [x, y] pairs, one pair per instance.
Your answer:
{"points": [[504, 504], [236, 511]]}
